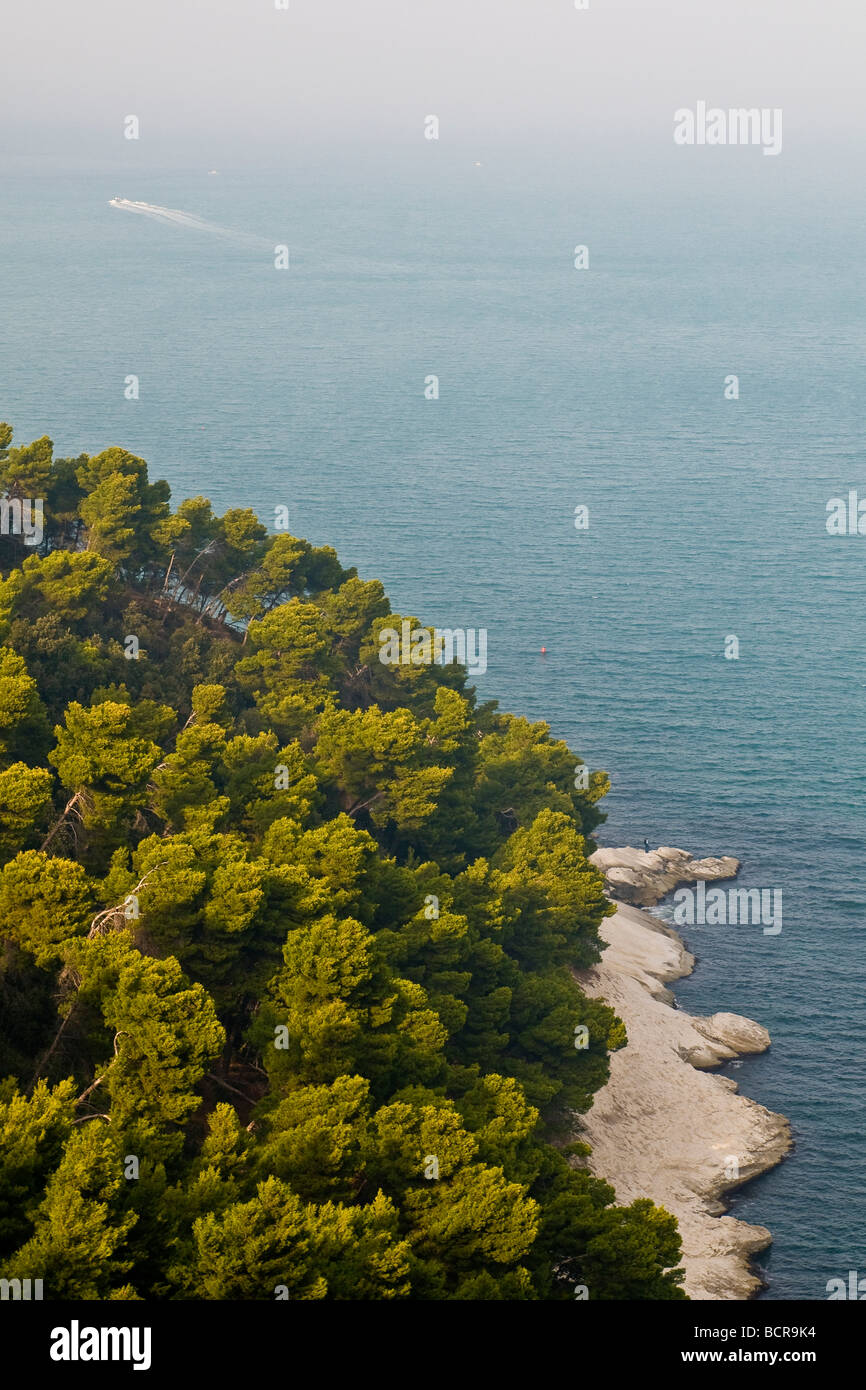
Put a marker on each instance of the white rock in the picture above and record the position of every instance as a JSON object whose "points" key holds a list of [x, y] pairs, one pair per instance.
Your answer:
{"points": [[634, 876], [665, 1128]]}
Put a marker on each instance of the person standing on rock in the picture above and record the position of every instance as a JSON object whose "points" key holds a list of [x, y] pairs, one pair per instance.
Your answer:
{"points": [[646, 845]]}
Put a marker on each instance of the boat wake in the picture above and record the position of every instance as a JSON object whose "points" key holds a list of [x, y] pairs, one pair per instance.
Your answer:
{"points": [[177, 218], [324, 259]]}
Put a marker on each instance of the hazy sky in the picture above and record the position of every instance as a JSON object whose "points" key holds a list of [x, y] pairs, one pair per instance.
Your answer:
{"points": [[209, 77]]}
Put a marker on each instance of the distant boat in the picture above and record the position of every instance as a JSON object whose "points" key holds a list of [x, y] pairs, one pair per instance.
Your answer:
{"points": [[128, 203]]}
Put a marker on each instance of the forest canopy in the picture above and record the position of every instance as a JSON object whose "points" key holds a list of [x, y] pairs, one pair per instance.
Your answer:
{"points": [[287, 1002]]}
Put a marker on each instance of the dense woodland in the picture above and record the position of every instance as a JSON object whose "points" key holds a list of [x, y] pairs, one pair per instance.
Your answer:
{"points": [[286, 1003]]}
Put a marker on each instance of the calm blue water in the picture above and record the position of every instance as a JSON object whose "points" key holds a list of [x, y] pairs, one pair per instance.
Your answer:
{"points": [[558, 387]]}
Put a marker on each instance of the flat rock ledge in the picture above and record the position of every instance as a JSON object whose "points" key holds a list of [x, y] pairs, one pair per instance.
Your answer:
{"points": [[644, 878], [663, 1126]]}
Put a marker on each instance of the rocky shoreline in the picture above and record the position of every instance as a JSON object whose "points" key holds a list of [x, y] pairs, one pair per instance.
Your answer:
{"points": [[663, 1126]]}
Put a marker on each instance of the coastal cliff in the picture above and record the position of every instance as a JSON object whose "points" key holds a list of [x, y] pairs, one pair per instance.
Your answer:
{"points": [[663, 1126]]}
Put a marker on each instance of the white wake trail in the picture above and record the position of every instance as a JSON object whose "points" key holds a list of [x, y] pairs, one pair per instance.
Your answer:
{"points": [[177, 218], [320, 259]]}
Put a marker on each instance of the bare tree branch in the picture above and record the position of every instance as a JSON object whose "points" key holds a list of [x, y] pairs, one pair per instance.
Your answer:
{"points": [[211, 1076], [362, 805], [40, 1067], [99, 1080], [102, 920], [70, 808]]}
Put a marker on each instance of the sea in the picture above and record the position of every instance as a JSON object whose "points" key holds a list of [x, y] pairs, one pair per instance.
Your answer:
{"points": [[171, 331]]}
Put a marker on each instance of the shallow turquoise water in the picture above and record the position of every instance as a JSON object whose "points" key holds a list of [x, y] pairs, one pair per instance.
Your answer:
{"points": [[558, 388]]}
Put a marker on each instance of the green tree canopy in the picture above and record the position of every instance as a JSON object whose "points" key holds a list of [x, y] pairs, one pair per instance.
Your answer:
{"points": [[288, 1001]]}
